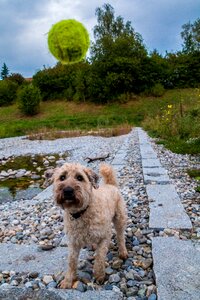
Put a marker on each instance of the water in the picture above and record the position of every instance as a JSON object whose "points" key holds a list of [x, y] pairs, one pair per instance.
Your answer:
{"points": [[26, 187]]}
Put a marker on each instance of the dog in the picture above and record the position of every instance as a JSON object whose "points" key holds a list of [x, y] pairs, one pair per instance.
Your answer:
{"points": [[89, 211]]}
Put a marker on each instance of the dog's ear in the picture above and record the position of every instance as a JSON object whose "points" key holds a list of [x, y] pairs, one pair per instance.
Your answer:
{"points": [[93, 177], [48, 175]]}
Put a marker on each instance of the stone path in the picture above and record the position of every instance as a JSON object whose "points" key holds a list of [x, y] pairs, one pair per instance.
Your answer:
{"points": [[177, 269], [176, 262], [166, 210]]}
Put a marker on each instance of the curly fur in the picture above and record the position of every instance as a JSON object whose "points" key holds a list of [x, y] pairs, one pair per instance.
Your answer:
{"points": [[103, 206]]}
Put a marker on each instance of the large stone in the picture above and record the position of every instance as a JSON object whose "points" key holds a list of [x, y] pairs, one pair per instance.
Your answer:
{"points": [[147, 151], [56, 294], [176, 268], [45, 194], [156, 175], [28, 258], [166, 209], [151, 163]]}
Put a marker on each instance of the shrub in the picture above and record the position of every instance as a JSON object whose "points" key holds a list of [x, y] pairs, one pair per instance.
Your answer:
{"points": [[17, 78], [157, 90], [29, 98], [8, 92]]}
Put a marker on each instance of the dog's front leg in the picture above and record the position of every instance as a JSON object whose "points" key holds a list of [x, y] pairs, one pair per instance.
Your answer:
{"points": [[99, 264], [70, 277]]}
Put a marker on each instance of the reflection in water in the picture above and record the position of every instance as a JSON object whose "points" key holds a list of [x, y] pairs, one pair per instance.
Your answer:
{"points": [[7, 194]]}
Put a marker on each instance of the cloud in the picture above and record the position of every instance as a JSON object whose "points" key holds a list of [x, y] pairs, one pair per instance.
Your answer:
{"points": [[24, 25]]}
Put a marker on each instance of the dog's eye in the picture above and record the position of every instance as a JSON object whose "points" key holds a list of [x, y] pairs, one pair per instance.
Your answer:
{"points": [[79, 178], [62, 177]]}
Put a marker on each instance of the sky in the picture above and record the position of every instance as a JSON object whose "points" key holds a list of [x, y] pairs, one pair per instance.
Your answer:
{"points": [[24, 26]]}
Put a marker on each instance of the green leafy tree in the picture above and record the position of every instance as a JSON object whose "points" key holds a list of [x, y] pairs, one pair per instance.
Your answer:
{"points": [[116, 56], [8, 90], [17, 78], [191, 36], [29, 98], [4, 71]]}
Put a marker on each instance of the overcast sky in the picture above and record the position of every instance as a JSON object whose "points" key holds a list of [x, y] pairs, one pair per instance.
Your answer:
{"points": [[24, 25]]}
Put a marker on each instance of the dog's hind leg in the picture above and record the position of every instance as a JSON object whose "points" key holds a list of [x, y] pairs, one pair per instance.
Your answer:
{"points": [[119, 221]]}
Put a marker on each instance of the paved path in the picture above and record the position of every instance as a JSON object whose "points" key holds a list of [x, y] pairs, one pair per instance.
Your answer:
{"points": [[177, 269], [166, 210], [176, 262]]}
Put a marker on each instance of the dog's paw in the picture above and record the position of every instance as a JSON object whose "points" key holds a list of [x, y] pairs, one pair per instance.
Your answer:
{"points": [[123, 254], [65, 284], [99, 278]]}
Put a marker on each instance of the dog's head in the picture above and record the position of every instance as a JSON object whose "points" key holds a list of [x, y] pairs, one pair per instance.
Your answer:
{"points": [[73, 185]]}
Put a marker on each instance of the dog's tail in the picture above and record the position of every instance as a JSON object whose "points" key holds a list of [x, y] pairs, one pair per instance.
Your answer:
{"points": [[108, 174]]}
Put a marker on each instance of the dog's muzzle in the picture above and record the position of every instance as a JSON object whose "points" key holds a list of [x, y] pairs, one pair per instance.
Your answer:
{"points": [[68, 194]]}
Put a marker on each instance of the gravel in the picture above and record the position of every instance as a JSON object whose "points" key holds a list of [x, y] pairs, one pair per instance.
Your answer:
{"points": [[41, 223]]}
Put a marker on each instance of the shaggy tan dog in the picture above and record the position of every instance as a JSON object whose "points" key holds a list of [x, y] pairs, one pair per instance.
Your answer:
{"points": [[88, 213]]}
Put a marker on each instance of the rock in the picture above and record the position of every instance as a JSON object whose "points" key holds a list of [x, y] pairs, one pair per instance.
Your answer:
{"points": [[114, 278], [133, 291], [33, 274], [117, 263], [28, 285], [152, 297], [52, 284], [80, 287], [47, 279], [109, 270]]}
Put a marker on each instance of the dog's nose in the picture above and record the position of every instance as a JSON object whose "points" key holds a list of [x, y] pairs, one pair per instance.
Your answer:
{"points": [[68, 192]]}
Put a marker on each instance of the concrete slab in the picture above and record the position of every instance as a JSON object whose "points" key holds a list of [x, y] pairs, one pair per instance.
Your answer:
{"points": [[147, 151], [176, 268], [45, 194], [28, 258], [154, 178], [151, 163], [155, 171], [14, 293], [166, 210]]}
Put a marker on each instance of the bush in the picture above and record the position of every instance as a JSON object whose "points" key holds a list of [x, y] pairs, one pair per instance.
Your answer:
{"points": [[29, 98], [8, 92], [157, 90], [17, 78]]}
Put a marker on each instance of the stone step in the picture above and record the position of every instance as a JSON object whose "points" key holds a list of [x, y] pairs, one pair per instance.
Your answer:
{"points": [[176, 268], [29, 258], [166, 209], [14, 293]]}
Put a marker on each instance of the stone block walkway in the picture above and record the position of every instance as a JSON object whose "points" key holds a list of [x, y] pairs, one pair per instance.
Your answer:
{"points": [[176, 262], [155, 212]]}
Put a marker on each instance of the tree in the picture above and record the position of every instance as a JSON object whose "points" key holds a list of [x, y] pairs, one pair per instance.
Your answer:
{"points": [[29, 99], [17, 78], [113, 34], [191, 36], [4, 71], [116, 56]]}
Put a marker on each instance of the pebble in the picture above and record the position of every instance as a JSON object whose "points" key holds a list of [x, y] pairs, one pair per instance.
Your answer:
{"points": [[47, 279], [42, 222], [114, 278]]}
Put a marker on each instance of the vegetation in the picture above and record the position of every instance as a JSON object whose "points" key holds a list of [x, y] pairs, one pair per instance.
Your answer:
{"points": [[173, 128], [119, 86], [8, 92], [29, 100], [195, 173], [4, 71]]}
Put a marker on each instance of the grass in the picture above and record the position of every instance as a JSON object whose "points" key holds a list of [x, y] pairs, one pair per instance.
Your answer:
{"points": [[178, 130], [195, 173]]}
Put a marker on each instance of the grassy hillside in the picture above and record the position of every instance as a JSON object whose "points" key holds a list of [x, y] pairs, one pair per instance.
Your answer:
{"points": [[175, 118]]}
